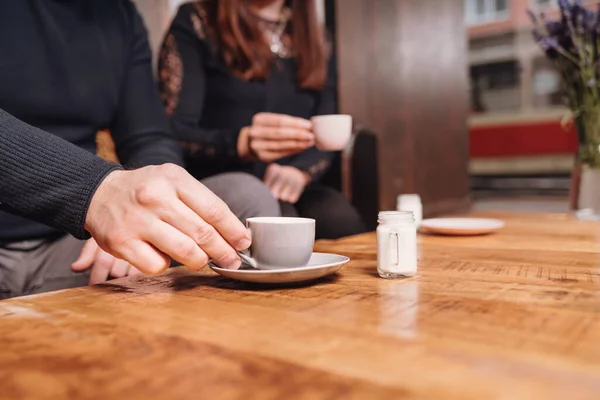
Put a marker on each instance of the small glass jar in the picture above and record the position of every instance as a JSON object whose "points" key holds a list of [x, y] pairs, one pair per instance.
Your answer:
{"points": [[411, 202], [396, 244]]}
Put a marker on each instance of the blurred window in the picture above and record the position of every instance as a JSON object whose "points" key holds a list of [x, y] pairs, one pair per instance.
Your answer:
{"points": [[495, 87], [483, 11]]}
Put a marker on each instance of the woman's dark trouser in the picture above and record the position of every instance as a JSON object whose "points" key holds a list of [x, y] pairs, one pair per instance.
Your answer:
{"points": [[335, 216]]}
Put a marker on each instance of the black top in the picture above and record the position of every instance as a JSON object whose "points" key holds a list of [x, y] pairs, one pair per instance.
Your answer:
{"points": [[73, 68], [209, 106]]}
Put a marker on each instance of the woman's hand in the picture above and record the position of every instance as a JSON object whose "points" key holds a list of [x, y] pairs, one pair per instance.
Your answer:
{"points": [[274, 136], [285, 182]]}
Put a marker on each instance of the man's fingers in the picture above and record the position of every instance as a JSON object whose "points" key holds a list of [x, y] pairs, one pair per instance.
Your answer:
{"points": [[179, 246], [204, 235], [133, 271], [281, 120], [102, 265], [119, 269], [125, 218], [144, 256], [215, 212], [86, 258]]}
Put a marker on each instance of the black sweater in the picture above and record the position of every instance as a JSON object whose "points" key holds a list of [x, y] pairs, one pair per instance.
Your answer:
{"points": [[72, 68], [47, 178], [208, 105]]}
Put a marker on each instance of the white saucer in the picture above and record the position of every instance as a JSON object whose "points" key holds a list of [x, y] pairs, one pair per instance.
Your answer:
{"points": [[319, 265], [461, 226]]}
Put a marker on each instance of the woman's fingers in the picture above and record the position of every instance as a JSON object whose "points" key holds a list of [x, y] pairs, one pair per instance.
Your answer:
{"points": [[281, 120], [281, 145], [270, 156], [274, 180], [281, 134], [277, 188], [272, 174], [274, 136], [290, 192], [286, 183]]}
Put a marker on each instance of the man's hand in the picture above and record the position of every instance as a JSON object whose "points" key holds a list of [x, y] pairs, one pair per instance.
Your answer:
{"points": [[286, 183], [103, 264], [146, 215], [274, 136]]}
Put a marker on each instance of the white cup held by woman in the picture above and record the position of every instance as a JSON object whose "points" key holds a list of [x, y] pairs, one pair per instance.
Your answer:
{"points": [[332, 132]]}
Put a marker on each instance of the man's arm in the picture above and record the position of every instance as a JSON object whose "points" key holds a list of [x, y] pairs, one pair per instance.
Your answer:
{"points": [[140, 127], [143, 216], [45, 178]]}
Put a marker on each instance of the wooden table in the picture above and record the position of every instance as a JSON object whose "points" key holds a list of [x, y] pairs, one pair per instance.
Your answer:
{"points": [[515, 315]]}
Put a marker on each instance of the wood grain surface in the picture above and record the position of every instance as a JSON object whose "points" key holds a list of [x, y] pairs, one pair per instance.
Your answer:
{"points": [[514, 315]]}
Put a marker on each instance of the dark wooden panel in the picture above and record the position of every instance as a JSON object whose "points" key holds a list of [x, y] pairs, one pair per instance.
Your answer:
{"points": [[403, 72]]}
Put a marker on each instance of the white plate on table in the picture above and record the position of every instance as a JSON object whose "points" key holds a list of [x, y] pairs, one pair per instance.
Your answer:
{"points": [[319, 265], [461, 226]]}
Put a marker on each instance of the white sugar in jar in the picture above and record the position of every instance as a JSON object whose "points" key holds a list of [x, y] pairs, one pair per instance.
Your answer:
{"points": [[411, 202], [396, 244]]}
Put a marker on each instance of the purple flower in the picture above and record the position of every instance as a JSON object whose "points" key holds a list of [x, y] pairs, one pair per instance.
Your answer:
{"points": [[554, 28], [565, 8], [574, 37], [548, 43]]}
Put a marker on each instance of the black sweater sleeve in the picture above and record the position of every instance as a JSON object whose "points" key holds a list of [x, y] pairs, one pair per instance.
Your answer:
{"points": [[183, 86], [140, 127], [45, 178]]}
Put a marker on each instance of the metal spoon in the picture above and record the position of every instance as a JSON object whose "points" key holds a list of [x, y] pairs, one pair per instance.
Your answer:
{"points": [[245, 258], [248, 260]]}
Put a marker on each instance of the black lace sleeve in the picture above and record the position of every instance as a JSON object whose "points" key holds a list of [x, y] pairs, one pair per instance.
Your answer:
{"points": [[183, 85]]}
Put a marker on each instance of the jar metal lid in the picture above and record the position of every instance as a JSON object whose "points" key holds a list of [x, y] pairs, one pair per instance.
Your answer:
{"points": [[396, 216]]}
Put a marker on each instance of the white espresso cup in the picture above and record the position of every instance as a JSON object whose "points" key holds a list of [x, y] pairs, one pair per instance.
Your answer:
{"points": [[332, 132], [281, 242]]}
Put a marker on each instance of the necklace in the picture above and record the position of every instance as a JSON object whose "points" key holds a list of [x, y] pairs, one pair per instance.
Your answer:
{"points": [[276, 44]]}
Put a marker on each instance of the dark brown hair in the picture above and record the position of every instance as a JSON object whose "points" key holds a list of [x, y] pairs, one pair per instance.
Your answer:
{"points": [[246, 51]]}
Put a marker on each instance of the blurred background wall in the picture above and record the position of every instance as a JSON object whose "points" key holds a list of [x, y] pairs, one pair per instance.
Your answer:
{"points": [[402, 73], [462, 102]]}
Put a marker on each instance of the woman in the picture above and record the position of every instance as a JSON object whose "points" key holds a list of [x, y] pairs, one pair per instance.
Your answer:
{"points": [[240, 80]]}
